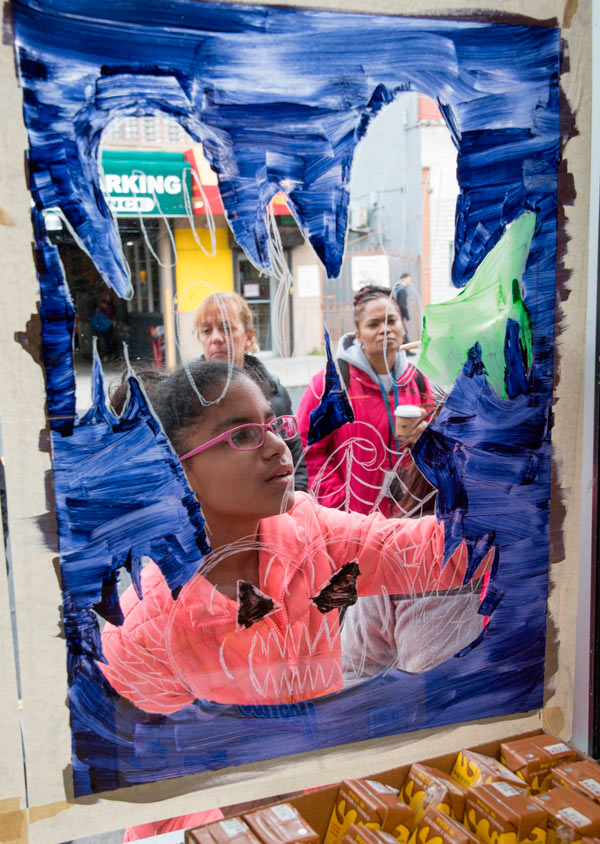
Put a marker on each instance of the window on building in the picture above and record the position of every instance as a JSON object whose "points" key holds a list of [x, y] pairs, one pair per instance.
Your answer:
{"points": [[130, 129], [175, 134], [114, 129], [150, 129]]}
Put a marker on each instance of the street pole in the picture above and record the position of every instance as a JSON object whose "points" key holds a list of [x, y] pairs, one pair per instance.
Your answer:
{"points": [[167, 294]]}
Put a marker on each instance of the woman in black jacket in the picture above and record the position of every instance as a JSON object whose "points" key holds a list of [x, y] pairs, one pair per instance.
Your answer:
{"points": [[224, 319]]}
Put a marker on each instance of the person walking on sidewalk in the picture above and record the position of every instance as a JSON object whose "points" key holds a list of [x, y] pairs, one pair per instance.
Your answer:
{"points": [[401, 297], [225, 328]]}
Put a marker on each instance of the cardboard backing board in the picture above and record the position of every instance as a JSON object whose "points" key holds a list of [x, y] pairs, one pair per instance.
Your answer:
{"points": [[21, 417], [54, 816], [13, 820]]}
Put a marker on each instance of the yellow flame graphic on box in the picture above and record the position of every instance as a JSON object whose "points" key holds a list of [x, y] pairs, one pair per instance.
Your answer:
{"points": [[466, 772], [409, 796], [538, 783], [546, 782], [343, 816], [401, 833], [422, 835], [482, 830], [414, 797]]}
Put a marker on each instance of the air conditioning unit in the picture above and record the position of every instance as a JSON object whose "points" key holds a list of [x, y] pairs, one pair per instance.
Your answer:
{"points": [[358, 218]]}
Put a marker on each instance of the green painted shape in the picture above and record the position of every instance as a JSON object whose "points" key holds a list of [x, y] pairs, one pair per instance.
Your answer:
{"points": [[480, 311]]}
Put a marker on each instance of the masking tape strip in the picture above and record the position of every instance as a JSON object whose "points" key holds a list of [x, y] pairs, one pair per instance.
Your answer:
{"points": [[13, 821]]}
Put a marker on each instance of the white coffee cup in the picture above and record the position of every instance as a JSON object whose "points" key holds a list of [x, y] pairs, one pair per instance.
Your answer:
{"points": [[408, 417]]}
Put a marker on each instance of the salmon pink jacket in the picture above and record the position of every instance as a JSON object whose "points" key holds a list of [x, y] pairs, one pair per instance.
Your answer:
{"points": [[168, 652], [147, 830], [367, 442]]}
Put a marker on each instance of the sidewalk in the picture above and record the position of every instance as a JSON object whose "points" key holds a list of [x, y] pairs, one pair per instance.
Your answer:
{"points": [[294, 372]]}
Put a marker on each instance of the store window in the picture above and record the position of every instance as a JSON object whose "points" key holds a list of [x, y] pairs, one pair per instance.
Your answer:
{"points": [[257, 290], [274, 330], [138, 244], [134, 320]]}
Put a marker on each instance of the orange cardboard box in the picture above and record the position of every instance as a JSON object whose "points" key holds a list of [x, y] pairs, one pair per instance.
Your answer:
{"points": [[436, 825], [356, 834], [473, 768], [583, 776], [369, 803], [199, 835], [228, 831], [425, 787], [499, 813], [281, 824], [533, 758], [567, 807]]}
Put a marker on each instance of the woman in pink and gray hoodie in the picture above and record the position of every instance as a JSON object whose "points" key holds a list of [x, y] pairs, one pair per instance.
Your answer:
{"points": [[356, 467]]}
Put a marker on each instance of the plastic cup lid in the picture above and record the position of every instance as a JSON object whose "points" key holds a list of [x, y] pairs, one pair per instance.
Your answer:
{"points": [[407, 411]]}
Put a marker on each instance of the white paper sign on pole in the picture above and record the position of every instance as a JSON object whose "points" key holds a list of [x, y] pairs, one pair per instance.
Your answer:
{"points": [[308, 281], [370, 269]]}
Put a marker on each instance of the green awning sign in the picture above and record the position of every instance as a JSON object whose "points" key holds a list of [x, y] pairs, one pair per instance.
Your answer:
{"points": [[146, 183]]}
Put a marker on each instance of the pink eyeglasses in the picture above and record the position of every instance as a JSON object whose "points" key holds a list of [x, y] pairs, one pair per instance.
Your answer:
{"points": [[251, 435]]}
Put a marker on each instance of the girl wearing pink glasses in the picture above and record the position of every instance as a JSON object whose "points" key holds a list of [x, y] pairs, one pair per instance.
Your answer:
{"points": [[259, 623]]}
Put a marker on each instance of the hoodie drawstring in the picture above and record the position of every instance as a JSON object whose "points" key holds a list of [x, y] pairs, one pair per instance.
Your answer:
{"points": [[386, 404]]}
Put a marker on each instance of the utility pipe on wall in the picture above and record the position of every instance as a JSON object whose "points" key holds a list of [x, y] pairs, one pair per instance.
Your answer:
{"points": [[167, 294]]}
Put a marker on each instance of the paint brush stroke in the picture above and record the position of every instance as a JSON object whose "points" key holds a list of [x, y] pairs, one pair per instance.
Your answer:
{"points": [[57, 316], [489, 458], [279, 98], [480, 312], [121, 494], [334, 409]]}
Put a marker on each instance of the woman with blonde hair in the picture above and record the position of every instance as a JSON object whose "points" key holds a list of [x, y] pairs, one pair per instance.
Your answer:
{"points": [[225, 329]]}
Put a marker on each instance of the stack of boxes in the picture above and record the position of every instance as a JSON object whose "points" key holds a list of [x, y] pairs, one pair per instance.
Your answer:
{"points": [[536, 792], [281, 824]]}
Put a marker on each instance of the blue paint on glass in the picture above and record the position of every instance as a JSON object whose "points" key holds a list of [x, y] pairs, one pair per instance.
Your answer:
{"points": [[485, 452], [279, 98], [334, 409], [493, 596], [516, 367], [130, 499], [57, 316]]}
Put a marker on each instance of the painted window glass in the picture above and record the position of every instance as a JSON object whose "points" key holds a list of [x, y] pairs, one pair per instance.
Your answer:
{"points": [[252, 635]]}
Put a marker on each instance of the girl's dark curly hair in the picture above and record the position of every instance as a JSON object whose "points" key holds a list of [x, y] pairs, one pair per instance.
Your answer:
{"points": [[174, 399]]}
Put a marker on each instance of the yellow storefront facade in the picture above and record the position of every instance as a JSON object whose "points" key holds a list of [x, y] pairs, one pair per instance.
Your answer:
{"points": [[198, 273]]}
